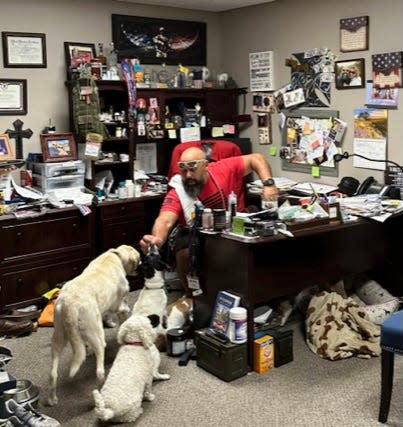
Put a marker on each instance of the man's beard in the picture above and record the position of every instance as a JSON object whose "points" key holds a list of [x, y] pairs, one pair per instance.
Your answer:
{"points": [[192, 187]]}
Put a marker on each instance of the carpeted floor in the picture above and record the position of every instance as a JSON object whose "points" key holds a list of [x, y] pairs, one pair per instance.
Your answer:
{"points": [[309, 391]]}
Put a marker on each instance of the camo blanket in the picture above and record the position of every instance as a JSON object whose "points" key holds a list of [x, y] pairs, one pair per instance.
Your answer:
{"points": [[338, 328]]}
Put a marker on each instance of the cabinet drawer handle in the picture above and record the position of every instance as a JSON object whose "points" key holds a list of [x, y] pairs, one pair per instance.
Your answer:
{"points": [[19, 234], [123, 208], [19, 281], [75, 226]]}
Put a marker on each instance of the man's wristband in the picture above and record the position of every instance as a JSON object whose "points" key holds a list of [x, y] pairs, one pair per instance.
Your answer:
{"points": [[269, 182]]}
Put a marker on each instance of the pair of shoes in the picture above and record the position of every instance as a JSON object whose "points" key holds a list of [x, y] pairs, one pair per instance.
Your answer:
{"points": [[28, 416], [28, 313], [10, 328]]}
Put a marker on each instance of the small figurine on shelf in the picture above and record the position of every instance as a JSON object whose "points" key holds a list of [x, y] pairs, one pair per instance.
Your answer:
{"points": [[112, 64], [163, 77], [138, 71]]}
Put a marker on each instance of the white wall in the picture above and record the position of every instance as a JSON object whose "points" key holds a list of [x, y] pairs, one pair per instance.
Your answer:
{"points": [[86, 21], [291, 26]]}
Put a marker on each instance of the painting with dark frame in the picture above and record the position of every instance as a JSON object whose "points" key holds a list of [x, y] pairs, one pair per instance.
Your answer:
{"points": [[156, 41], [13, 97], [77, 53], [58, 147], [300, 141], [24, 50], [350, 74]]}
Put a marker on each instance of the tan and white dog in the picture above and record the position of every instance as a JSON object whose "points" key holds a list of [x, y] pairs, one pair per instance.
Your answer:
{"points": [[135, 367], [82, 305]]}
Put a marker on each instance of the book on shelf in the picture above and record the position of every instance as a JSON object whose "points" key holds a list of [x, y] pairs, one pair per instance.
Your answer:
{"points": [[223, 304]]}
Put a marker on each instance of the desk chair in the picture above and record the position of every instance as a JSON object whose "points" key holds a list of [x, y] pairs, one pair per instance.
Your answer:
{"points": [[214, 149], [391, 343]]}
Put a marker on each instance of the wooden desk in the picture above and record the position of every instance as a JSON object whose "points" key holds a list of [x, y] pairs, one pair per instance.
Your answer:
{"points": [[279, 266]]}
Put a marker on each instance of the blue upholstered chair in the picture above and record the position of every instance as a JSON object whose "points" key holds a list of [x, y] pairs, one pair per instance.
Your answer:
{"points": [[391, 343]]}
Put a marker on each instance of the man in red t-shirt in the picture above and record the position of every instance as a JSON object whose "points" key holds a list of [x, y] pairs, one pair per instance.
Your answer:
{"points": [[211, 184]]}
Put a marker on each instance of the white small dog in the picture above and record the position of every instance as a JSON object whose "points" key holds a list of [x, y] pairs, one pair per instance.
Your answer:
{"points": [[135, 367], [81, 305]]}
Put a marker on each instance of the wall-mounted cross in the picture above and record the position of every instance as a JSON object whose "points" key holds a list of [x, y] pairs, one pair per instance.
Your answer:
{"points": [[18, 134]]}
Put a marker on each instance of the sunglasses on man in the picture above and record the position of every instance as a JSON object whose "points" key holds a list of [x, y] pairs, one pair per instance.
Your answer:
{"points": [[190, 166]]}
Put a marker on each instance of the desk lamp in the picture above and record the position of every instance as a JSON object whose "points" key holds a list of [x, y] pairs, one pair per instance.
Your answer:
{"points": [[339, 157]]}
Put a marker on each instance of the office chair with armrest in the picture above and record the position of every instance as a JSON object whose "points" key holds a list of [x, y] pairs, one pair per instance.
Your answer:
{"points": [[214, 149], [391, 343]]}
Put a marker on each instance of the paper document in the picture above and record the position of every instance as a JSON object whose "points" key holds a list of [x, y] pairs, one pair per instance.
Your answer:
{"points": [[310, 187]]}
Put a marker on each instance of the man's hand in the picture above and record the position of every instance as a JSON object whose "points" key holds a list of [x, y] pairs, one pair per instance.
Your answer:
{"points": [[269, 192], [148, 240]]}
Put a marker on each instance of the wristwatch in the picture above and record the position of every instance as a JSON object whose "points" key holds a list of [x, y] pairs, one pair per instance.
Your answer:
{"points": [[269, 182]]}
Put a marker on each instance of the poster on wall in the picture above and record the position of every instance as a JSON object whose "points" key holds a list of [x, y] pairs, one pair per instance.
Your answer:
{"points": [[308, 75], [156, 41], [370, 133], [381, 98], [261, 71]]}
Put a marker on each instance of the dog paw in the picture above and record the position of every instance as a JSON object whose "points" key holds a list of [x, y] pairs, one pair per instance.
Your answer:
{"points": [[149, 396], [51, 401], [162, 377]]}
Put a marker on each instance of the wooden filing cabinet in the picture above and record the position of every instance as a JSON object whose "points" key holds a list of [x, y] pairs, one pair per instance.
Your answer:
{"points": [[125, 221], [37, 254]]}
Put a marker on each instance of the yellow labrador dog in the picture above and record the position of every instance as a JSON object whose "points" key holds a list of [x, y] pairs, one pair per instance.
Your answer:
{"points": [[82, 305]]}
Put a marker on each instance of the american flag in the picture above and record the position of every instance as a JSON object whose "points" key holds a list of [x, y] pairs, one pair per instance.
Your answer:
{"points": [[387, 61], [353, 24]]}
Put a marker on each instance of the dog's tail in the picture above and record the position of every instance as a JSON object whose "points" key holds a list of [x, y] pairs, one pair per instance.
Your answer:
{"points": [[103, 413]]}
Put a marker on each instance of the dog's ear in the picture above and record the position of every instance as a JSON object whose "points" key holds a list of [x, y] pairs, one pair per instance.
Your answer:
{"points": [[154, 319], [146, 269], [122, 333], [129, 256], [147, 335]]}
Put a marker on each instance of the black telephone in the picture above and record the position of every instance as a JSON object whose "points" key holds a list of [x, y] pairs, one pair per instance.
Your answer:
{"points": [[371, 186]]}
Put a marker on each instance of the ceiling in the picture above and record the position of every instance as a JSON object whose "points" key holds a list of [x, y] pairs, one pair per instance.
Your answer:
{"points": [[206, 5]]}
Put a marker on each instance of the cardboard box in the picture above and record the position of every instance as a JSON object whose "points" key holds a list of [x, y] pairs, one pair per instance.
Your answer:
{"points": [[263, 354]]}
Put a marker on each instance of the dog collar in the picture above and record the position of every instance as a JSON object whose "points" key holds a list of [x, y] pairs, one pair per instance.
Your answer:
{"points": [[137, 343]]}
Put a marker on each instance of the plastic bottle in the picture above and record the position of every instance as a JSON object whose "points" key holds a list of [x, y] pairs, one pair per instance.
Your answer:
{"points": [[122, 190], [130, 188], [232, 206], [238, 332]]}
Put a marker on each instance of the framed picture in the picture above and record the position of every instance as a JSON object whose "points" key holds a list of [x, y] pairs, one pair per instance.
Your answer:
{"points": [[156, 41], [58, 147], [308, 139], [24, 50], [78, 53], [13, 97], [5, 148], [354, 34], [350, 74]]}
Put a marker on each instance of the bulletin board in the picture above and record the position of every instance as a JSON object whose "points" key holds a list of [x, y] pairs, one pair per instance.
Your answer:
{"points": [[310, 138]]}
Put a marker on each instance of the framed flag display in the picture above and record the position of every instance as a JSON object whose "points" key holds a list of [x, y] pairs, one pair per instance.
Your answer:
{"points": [[354, 34]]}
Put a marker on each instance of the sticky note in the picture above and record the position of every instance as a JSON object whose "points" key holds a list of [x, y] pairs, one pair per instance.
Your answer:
{"points": [[273, 150], [315, 171], [217, 131]]}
